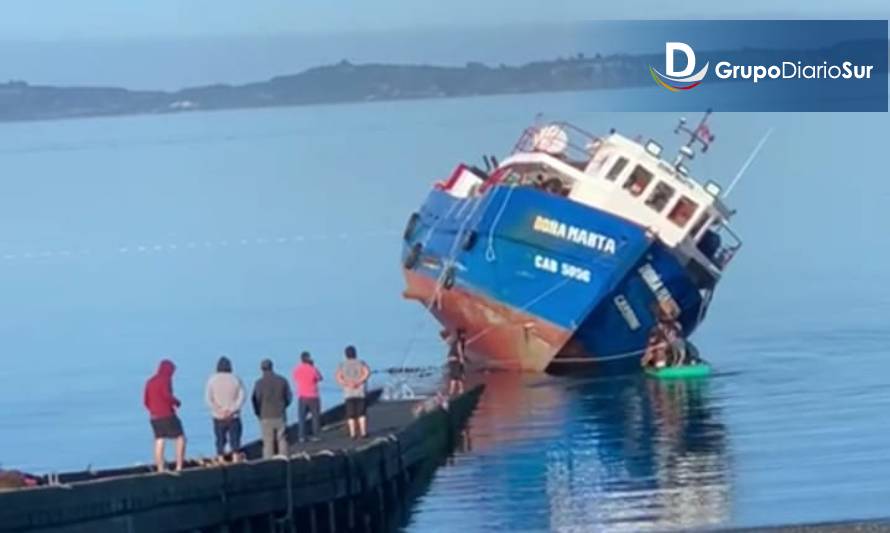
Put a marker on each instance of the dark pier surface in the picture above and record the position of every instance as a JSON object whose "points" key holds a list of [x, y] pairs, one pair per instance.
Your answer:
{"points": [[881, 525], [335, 484], [384, 419]]}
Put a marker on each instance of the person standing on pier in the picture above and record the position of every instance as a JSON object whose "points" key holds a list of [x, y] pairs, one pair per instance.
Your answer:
{"points": [[161, 405], [225, 396], [306, 378], [457, 360], [271, 397], [352, 375]]}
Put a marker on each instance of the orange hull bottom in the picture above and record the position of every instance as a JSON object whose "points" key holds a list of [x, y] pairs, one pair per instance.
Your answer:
{"points": [[498, 336]]}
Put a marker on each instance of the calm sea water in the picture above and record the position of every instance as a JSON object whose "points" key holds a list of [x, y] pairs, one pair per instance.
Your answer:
{"points": [[263, 233]]}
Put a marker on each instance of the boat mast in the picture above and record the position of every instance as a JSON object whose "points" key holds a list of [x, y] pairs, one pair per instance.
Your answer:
{"points": [[701, 134]]}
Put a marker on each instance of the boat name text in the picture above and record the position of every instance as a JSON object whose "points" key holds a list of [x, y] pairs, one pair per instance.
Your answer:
{"points": [[549, 264], [657, 286], [600, 243], [627, 312]]}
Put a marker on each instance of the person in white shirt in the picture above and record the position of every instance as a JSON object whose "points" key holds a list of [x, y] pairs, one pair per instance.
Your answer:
{"points": [[225, 396]]}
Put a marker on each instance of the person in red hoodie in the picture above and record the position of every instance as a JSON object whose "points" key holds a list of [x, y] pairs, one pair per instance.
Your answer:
{"points": [[161, 405]]}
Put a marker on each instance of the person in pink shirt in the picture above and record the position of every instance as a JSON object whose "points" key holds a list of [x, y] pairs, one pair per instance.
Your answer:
{"points": [[306, 378]]}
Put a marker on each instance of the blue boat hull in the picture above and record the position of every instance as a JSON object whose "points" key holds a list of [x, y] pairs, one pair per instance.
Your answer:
{"points": [[543, 283]]}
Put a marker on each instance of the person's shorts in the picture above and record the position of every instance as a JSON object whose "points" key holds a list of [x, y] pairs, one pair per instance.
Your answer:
{"points": [[355, 407], [167, 428], [455, 370]]}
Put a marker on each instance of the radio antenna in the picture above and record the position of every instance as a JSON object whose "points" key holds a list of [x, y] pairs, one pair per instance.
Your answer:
{"points": [[748, 162]]}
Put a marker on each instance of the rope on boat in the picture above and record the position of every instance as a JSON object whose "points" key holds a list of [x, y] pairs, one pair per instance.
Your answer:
{"points": [[524, 307], [489, 250], [446, 265], [460, 231], [594, 360], [412, 339], [435, 225], [452, 253], [400, 386]]}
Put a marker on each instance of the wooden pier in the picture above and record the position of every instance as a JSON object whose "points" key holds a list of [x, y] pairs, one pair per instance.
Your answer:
{"points": [[335, 484]]}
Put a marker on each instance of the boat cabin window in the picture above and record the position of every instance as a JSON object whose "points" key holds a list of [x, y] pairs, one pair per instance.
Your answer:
{"points": [[616, 169], [660, 196], [682, 212], [598, 160], [710, 244], [699, 224], [638, 181], [718, 243]]}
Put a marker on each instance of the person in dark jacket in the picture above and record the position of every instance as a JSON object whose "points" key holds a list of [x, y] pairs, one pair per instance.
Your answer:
{"points": [[271, 397], [161, 405]]}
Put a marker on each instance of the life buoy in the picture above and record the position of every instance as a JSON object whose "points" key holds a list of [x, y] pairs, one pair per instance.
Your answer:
{"points": [[469, 240], [411, 226], [413, 256], [448, 280]]}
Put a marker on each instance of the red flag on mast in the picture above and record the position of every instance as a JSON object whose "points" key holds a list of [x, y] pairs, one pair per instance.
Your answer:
{"points": [[704, 133]]}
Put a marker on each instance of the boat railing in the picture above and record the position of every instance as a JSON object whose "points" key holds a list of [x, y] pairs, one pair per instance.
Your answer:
{"points": [[730, 243], [559, 139]]}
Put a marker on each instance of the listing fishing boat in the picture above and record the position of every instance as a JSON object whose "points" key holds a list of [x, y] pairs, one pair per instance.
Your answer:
{"points": [[563, 256]]}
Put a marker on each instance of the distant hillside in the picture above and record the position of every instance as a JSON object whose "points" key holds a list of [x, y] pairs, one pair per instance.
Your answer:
{"points": [[346, 82], [343, 82]]}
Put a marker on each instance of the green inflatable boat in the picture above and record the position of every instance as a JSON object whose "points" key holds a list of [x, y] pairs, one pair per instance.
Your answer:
{"points": [[697, 370]]}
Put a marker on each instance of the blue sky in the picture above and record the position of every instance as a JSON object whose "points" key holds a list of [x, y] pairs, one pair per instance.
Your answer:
{"points": [[128, 19], [169, 44]]}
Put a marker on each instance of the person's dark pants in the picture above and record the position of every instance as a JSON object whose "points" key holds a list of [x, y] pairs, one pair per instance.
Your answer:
{"points": [[227, 430], [313, 406]]}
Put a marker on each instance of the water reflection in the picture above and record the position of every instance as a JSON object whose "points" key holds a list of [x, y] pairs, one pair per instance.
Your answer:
{"points": [[640, 454], [624, 454]]}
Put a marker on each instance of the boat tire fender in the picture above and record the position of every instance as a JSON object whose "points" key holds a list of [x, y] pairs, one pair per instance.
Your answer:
{"points": [[413, 256], [469, 240], [448, 280], [411, 226]]}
